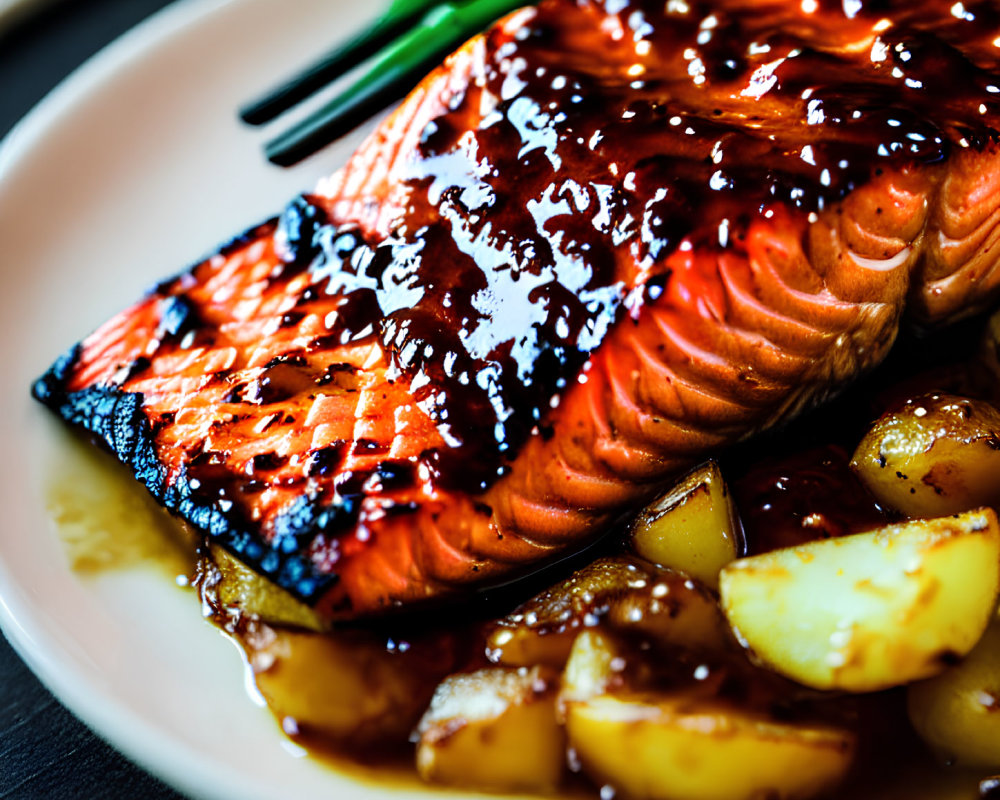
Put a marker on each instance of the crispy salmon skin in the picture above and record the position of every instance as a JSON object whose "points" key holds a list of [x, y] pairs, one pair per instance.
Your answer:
{"points": [[598, 243]]}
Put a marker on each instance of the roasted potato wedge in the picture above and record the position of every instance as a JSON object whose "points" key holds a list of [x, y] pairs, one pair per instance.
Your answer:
{"points": [[692, 528], [935, 455], [240, 587], [871, 610], [686, 744], [667, 747], [621, 592], [348, 687], [958, 712], [494, 730]]}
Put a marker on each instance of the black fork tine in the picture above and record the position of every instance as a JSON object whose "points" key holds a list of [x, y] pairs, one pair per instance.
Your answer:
{"points": [[345, 113], [397, 68], [401, 15]]}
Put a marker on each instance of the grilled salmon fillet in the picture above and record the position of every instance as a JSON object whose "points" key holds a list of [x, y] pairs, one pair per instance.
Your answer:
{"points": [[598, 243]]}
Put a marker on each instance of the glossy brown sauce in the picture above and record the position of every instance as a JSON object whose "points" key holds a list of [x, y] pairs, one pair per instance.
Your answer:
{"points": [[893, 764], [104, 519], [810, 495], [594, 141], [629, 135], [600, 138]]}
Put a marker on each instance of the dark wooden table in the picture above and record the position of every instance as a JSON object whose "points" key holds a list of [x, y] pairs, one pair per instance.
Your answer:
{"points": [[45, 752]]}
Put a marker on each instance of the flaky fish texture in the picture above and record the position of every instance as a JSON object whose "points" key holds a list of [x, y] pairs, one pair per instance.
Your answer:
{"points": [[597, 244]]}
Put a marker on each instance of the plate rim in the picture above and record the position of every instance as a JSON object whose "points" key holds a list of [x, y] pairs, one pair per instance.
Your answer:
{"points": [[179, 765]]}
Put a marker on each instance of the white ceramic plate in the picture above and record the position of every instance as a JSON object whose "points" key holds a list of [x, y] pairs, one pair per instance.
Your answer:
{"points": [[133, 168]]}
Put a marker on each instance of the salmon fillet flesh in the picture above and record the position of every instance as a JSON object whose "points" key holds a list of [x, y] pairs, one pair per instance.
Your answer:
{"points": [[600, 242]]}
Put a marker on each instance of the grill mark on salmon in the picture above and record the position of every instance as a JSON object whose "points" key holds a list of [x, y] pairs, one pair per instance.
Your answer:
{"points": [[728, 244]]}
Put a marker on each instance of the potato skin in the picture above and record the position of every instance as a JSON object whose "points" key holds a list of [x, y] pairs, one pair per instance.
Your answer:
{"points": [[934, 455]]}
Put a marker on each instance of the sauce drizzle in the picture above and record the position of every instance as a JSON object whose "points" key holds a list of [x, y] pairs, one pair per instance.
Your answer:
{"points": [[525, 237]]}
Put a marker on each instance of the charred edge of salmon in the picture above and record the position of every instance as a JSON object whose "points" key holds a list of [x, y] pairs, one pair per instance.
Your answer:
{"points": [[115, 419]]}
